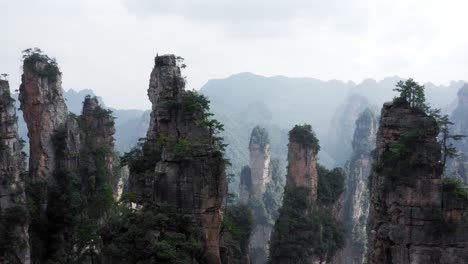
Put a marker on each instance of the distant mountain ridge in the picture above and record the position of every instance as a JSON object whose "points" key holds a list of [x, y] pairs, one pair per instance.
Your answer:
{"points": [[323, 104], [242, 101]]}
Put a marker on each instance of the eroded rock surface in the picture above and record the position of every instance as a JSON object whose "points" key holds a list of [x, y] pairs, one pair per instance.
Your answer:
{"points": [[410, 218], [356, 205], [14, 225], [190, 170]]}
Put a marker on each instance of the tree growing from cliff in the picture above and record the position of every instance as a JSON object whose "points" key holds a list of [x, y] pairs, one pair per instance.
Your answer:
{"points": [[49, 69], [411, 92], [236, 229], [303, 134], [446, 138], [300, 236]]}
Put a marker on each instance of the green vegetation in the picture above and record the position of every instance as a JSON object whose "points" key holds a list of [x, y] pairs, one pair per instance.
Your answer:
{"points": [[246, 179], [162, 234], [273, 195], [303, 231], [411, 92], [398, 160], [259, 136], [455, 188], [10, 219], [236, 229], [330, 185], [446, 138], [48, 68], [305, 136]]}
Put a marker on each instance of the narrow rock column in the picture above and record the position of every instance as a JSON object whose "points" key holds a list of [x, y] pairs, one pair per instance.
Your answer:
{"points": [[191, 169], [97, 133], [260, 157], [302, 160], [14, 224], [45, 112], [356, 206], [406, 189]]}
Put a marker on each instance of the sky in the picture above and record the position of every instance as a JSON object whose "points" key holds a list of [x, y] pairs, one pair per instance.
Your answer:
{"points": [[109, 45]]}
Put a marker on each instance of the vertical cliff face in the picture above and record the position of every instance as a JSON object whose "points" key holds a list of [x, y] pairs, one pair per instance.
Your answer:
{"points": [[459, 165], [97, 133], [70, 167], [44, 111], [260, 157], [311, 204], [188, 169], [302, 160], [14, 244], [408, 220], [253, 186], [356, 207]]}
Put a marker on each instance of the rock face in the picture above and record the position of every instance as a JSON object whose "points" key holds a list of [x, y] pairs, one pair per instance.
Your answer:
{"points": [[312, 203], [254, 181], [459, 165], [408, 220], [356, 207], [70, 163], [302, 168], [190, 170], [260, 157], [14, 244], [44, 111], [97, 132]]}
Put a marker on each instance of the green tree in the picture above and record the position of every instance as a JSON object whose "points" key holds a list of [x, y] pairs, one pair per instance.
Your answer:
{"points": [[411, 92], [303, 230], [446, 138]]}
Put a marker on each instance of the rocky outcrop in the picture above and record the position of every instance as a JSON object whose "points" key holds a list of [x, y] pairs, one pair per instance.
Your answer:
{"points": [[302, 160], [253, 184], [356, 195], [459, 165], [312, 203], [14, 244], [97, 133], [45, 112], [408, 218], [260, 157], [188, 169], [70, 166]]}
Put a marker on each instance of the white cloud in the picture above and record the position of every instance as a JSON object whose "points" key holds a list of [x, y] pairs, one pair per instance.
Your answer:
{"points": [[108, 45]]}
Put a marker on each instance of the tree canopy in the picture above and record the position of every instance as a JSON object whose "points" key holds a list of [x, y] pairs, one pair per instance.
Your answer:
{"points": [[411, 92]]}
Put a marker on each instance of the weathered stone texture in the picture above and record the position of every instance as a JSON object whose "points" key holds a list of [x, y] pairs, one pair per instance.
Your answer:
{"points": [[356, 205], [195, 181], [406, 219], [13, 231], [302, 168]]}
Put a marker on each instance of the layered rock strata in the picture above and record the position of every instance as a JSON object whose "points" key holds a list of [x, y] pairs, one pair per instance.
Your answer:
{"points": [[253, 184], [356, 196], [410, 214], [14, 225], [189, 171]]}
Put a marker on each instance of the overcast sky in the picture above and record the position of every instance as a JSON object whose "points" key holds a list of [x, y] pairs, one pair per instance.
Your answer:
{"points": [[109, 45]]}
